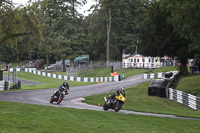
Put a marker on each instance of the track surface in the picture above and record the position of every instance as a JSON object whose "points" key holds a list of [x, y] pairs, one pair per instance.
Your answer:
{"points": [[72, 100]]}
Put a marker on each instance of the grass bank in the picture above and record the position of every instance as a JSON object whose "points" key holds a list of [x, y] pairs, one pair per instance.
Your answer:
{"points": [[165, 69], [137, 100], [190, 84], [23, 118], [106, 72], [48, 82]]}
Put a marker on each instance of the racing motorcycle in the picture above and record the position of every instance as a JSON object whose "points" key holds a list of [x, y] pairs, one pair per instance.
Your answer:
{"points": [[58, 95], [114, 103]]}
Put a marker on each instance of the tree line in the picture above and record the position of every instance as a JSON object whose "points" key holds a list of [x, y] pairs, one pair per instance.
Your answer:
{"points": [[54, 30]]}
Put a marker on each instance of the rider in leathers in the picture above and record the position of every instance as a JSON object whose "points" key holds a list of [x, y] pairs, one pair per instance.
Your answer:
{"points": [[117, 93], [64, 88]]}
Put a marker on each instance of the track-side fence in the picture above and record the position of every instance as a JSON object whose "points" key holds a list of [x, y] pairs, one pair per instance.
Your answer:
{"points": [[177, 95], [185, 98], [72, 78]]}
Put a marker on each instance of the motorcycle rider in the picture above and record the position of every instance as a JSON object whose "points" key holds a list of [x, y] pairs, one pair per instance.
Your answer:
{"points": [[117, 93], [64, 88]]}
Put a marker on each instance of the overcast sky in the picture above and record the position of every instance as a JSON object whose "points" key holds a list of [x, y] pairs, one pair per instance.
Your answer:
{"points": [[85, 7]]}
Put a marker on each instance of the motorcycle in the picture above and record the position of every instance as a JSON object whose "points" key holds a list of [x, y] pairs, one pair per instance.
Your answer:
{"points": [[116, 103], [58, 95]]}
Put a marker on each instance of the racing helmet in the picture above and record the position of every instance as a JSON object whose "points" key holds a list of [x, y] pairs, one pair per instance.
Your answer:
{"points": [[123, 89], [65, 84]]}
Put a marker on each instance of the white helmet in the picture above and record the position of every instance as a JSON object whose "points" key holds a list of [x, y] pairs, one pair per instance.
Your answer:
{"points": [[123, 89]]}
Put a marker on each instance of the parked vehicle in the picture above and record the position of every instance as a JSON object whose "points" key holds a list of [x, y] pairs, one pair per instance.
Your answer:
{"points": [[115, 103], [58, 95]]}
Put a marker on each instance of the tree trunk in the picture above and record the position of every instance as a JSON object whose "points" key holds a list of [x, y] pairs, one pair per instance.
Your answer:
{"points": [[47, 59], [63, 63], [183, 68], [108, 35], [72, 63]]}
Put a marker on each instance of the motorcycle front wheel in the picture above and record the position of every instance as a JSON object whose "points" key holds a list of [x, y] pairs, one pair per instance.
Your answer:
{"points": [[105, 106], [118, 106], [60, 99]]}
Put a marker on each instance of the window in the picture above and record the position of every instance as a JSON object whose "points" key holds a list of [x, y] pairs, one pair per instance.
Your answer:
{"points": [[137, 60]]}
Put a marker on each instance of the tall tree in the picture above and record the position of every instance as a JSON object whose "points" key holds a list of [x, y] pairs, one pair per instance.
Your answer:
{"points": [[16, 23], [114, 27], [185, 17], [158, 37], [63, 31]]}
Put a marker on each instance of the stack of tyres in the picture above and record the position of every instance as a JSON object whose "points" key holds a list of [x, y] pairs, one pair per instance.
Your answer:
{"points": [[157, 87]]}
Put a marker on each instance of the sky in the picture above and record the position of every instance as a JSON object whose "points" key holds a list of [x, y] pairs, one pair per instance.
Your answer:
{"points": [[84, 8]]}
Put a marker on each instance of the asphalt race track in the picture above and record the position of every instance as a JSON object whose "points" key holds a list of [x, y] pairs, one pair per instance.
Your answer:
{"points": [[76, 94]]}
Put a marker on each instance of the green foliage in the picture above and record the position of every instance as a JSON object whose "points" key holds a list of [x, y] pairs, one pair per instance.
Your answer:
{"points": [[185, 18], [17, 23], [63, 29], [159, 37], [125, 17], [17, 26]]}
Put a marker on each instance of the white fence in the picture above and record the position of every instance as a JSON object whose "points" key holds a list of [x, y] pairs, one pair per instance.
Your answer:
{"points": [[72, 78], [185, 98]]}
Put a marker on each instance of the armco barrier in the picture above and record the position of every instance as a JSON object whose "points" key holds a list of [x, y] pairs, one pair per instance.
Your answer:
{"points": [[71, 78], [154, 75], [185, 98], [157, 75]]}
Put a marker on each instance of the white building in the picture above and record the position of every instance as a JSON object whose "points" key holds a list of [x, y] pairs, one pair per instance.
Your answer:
{"points": [[140, 61]]}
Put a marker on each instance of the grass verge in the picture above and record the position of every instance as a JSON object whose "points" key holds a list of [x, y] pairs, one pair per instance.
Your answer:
{"points": [[190, 84], [137, 100], [48, 82], [165, 69], [106, 72], [23, 118]]}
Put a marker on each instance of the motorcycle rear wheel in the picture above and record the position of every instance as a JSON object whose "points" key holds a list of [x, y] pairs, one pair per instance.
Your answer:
{"points": [[51, 100]]}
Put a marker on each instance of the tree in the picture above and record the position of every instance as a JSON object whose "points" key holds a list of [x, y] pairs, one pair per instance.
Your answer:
{"points": [[159, 38], [114, 26], [63, 30], [15, 23], [185, 17]]}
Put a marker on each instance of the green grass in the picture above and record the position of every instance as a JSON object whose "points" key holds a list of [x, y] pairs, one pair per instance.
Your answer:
{"points": [[131, 72], [137, 100], [190, 84], [165, 69], [106, 72], [48, 82], [27, 118]]}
